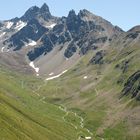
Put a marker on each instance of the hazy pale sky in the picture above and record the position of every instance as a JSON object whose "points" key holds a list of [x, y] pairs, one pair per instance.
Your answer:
{"points": [[124, 13]]}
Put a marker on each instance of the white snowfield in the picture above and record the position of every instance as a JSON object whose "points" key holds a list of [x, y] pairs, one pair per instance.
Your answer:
{"points": [[35, 68], [51, 26], [9, 24], [56, 76], [31, 43], [1, 35], [20, 25]]}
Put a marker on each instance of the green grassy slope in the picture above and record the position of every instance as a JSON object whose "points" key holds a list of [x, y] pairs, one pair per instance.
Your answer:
{"points": [[24, 115]]}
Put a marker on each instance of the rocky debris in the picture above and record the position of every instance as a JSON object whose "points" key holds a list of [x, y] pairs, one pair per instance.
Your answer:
{"points": [[98, 58], [132, 86]]}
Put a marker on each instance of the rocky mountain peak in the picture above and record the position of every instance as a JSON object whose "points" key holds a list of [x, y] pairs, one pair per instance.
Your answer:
{"points": [[72, 14], [45, 8], [44, 12], [135, 29], [30, 13], [36, 12], [32, 10], [84, 13], [117, 28]]}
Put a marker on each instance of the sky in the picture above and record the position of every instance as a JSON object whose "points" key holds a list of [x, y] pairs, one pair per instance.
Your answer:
{"points": [[123, 13]]}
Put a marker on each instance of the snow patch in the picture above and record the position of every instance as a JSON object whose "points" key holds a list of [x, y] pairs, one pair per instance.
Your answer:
{"points": [[88, 138], [31, 43], [85, 77], [1, 35], [36, 31], [20, 25], [9, 24], [37, 74], [51, 26], [54, 77], [51, 74], [35, 68], [2, 49], [67, 59]]}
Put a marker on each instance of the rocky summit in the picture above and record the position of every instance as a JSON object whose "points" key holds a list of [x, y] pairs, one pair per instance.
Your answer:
{"points": [[75, 77]]}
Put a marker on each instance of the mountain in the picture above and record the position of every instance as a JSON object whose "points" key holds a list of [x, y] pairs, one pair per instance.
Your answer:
{"points": [[68, 78], [68, 38], [36, 12]]}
